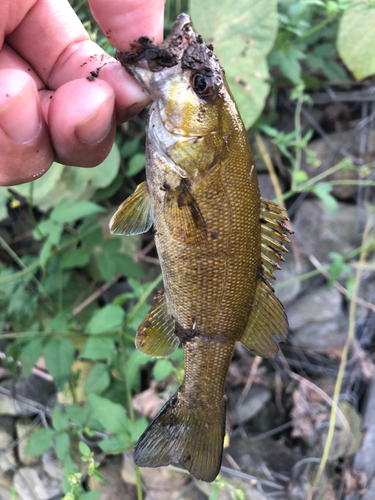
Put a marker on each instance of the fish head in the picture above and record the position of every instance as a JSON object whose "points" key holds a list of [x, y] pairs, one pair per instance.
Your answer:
{"points": [[184, 78]]}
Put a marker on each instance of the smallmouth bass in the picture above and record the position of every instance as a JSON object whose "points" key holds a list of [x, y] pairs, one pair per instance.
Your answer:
{"points": [[217, 240]]}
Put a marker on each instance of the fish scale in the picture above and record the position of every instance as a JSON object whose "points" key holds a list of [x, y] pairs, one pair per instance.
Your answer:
{"points": [[217, 242]]}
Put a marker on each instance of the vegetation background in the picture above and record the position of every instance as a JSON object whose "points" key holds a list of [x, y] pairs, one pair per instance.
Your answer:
{"points": [[72, 295]]}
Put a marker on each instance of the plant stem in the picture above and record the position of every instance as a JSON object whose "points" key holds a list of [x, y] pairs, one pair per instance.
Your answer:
{"points": [[344, 356]]}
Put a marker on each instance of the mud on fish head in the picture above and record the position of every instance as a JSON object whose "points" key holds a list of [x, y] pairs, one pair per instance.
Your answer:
{"points": [[186, 82]]}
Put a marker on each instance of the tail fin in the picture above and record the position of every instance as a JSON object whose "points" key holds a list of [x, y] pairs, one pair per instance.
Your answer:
{"points": [[184, 434]]}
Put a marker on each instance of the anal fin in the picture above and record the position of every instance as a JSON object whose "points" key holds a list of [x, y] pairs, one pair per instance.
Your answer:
{"points": [[133, 215], [267, 324], [155, 336]]}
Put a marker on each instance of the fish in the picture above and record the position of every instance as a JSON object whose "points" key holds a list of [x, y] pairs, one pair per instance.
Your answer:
{"points": [[217, 240]]}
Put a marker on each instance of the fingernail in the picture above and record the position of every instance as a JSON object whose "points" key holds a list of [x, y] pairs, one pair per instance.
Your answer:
{"points": [[96, 128], [20, 118]]}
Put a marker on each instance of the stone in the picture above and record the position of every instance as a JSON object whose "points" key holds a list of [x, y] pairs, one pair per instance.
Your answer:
{"points": [[22, 430], [320, 232], [52, 465], [36, 389], [254, 401], [31, 483], [266, 187], [5, 494], [317, 320], [324, 158], [7, 460], [287, 294], [115, 487]]}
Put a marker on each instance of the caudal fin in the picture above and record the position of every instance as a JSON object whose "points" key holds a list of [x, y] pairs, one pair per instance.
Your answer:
{"points": [[186, 435]]}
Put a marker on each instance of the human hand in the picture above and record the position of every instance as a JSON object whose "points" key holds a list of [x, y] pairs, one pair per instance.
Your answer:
{"points": [[48, 109]]}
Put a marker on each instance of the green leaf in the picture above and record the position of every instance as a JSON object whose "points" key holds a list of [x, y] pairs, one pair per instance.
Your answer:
{"points": [[137, 428], [62, 445], [162, 368], [136, 164], [129, 148], [135, 361], [355, 38], [59, 356], [243, 32], [98, 348], [78, 415], [39, 442], [111, 415], [84, 449], [98, 379], [4, 193], [74, 257], [323, 190], [115, 443], [102, 175], [60, 420], [106, 319], [90, 495], [64, 212], [30, 354]]}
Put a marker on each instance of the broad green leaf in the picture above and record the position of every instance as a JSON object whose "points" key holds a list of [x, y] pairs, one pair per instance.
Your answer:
{"points": [[137, 428], [65, 212], [323, 190], [84, 449], [30, 354], [102, 175], [60, 420], [136, 164], [162, 368], [356, 39], [62, 445], [74, 257], [90, 495], [78, 414], [43, 185], [3, 203], [59, 356], [105, 319], [111, 415], [39, 442], [98, 348], [115, 443], [98, 379], [129, 148], [242, 33]]}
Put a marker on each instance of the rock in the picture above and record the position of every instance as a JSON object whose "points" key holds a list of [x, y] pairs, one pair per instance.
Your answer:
{"points": [[22, 427], [115, 487], [5, 494], [324, 158], [266, 187], [52, 465], [7, 460], [254, 401], [289, 271], [364, 459], [317, 320], [34, 388], [31, 483], [6, 480], [320, 232]]}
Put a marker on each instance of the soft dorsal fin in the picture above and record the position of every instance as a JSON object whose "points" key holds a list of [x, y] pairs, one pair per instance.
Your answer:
{"points": [[155, 336], [274, 232], [134, 215], [267, 324]]}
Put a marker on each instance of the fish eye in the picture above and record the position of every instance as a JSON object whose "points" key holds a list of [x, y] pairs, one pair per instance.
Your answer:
{"points": [[202, 84]]}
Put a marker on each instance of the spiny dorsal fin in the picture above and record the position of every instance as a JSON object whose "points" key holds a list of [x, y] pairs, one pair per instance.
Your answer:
{"points": [[155, 336], [134, 215], [274, 232], [183, 210], [267, 324]]}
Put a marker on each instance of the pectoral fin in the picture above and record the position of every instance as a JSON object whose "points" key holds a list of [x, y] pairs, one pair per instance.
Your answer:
{"points": [[267, 324], [156, 337], [134, 215]]}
